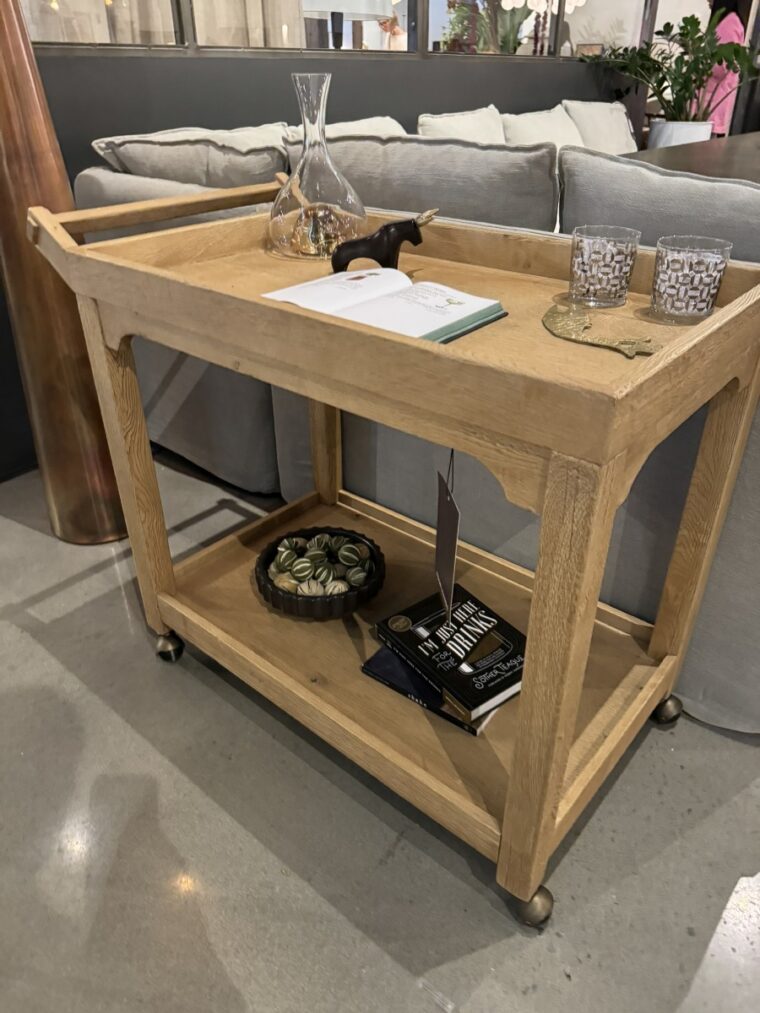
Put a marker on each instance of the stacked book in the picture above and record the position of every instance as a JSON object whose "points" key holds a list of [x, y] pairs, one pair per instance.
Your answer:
{"points": [[463, 669]]}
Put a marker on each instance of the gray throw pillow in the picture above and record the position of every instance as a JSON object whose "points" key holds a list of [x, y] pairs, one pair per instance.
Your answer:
{"points": [[214, 158], [610, 190], [491, 183]]}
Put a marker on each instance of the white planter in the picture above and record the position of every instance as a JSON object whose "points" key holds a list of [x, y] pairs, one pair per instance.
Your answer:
{"points": [[664, 134]]}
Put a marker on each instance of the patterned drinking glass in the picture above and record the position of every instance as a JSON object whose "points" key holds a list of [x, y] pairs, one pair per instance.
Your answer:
{"points": [[688, 271], [601, 264]]}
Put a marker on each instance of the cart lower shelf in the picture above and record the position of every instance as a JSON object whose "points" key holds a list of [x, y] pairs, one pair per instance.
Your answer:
{"points": [[313, 670]]}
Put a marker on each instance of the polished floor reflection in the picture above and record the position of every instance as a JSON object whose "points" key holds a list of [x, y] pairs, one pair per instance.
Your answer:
{"points": [[170, 842]]}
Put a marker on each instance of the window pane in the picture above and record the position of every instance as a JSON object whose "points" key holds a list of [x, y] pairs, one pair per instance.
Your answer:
{"points": [[305, 24], [490, 26], [592, 25], [674, 11], [123, 22]]}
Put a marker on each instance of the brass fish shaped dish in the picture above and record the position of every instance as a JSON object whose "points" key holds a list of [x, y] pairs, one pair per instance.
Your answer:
{"points": [[572, 325]]}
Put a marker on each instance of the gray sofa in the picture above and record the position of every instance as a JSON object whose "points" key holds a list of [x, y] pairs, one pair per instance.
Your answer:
{"points": [[399, 470]]}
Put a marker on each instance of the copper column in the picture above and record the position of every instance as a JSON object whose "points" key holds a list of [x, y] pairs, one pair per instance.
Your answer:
{"points": [[80, 488]]}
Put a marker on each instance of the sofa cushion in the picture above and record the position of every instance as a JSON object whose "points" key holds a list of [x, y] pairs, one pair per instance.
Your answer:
{"points": [[719, 680], [514, 186], [604, 126], [608, 190], [553, 125], [398, 470], [214, 158], [481, 125], [372, 126], [220, 420], [99, 186]]}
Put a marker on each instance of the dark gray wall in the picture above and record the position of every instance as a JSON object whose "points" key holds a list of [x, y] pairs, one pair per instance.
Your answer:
{"points": [[16, 450], [100, 93]]}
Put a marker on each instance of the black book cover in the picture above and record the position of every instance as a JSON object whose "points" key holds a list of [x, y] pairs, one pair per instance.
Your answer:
{"points": [[476, 660], [387, 667]]}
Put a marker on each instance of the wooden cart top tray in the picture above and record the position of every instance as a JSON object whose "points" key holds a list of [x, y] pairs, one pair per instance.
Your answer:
{"points": [[510, 385]]}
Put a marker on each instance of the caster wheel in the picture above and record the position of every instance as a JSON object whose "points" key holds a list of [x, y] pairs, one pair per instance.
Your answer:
{"points": [[668, 711], [169, 647], [536, 911]]}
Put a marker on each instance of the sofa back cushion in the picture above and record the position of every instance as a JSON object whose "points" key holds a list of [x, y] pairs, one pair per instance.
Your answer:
{"points": [[372, 126], [481, 125], [554, 125], [215, 158], [605, 190], [476, 182], [99, 186], [604, 126]]}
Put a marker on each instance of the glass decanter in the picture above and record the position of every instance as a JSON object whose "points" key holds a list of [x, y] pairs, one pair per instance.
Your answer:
{"points": [[317, 208]]}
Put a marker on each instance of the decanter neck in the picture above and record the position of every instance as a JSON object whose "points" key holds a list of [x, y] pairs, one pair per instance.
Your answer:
{"points": [[312, 92]]}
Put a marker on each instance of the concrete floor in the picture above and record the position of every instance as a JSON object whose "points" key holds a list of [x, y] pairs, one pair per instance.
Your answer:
{"points": [[170, 842]]}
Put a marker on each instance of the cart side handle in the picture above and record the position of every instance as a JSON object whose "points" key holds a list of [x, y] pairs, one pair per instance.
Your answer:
{"points": [[120, 216], [51, 239]]}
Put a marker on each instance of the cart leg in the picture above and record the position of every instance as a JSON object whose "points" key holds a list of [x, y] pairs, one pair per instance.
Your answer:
{"points": [[578, 510], [324, 424], [124, 420], [712, 483]]}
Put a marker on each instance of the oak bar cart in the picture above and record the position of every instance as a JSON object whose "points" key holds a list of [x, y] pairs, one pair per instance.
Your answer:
{"points": [[564, 427]]}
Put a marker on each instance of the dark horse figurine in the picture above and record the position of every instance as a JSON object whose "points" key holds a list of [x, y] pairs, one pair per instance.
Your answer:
{"points": [[384, 245]]}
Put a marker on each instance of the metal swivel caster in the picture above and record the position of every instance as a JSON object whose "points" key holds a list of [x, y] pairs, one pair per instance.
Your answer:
{"points": [[536, 911], [668, 711], [169, 647]]}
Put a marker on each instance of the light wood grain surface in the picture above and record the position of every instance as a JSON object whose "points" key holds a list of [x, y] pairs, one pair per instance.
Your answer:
{"points": [[127, 433], [510, 383], [564, 428], [579, 509], [326, 452], [121, 216], [313, 670]]}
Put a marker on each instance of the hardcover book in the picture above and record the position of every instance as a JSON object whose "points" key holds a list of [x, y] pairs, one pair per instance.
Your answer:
{"points": [[476, 660], [387, 667]]}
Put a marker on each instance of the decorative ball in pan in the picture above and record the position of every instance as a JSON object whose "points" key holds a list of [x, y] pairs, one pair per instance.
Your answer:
{"points": [[319, 573]]}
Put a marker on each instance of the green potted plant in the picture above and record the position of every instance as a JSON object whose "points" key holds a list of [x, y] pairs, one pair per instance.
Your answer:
{"points": [[488, 26], [676, 68]]}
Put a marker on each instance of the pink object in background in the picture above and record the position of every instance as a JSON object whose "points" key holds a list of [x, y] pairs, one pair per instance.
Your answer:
{"points": [[723, 82]]}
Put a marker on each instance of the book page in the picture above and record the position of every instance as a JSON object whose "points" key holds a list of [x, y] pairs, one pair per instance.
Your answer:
{"points": [[418, 310], [339, 292]]}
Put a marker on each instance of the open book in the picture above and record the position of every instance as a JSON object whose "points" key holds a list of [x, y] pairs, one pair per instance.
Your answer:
{"points": [[384, 298]]}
